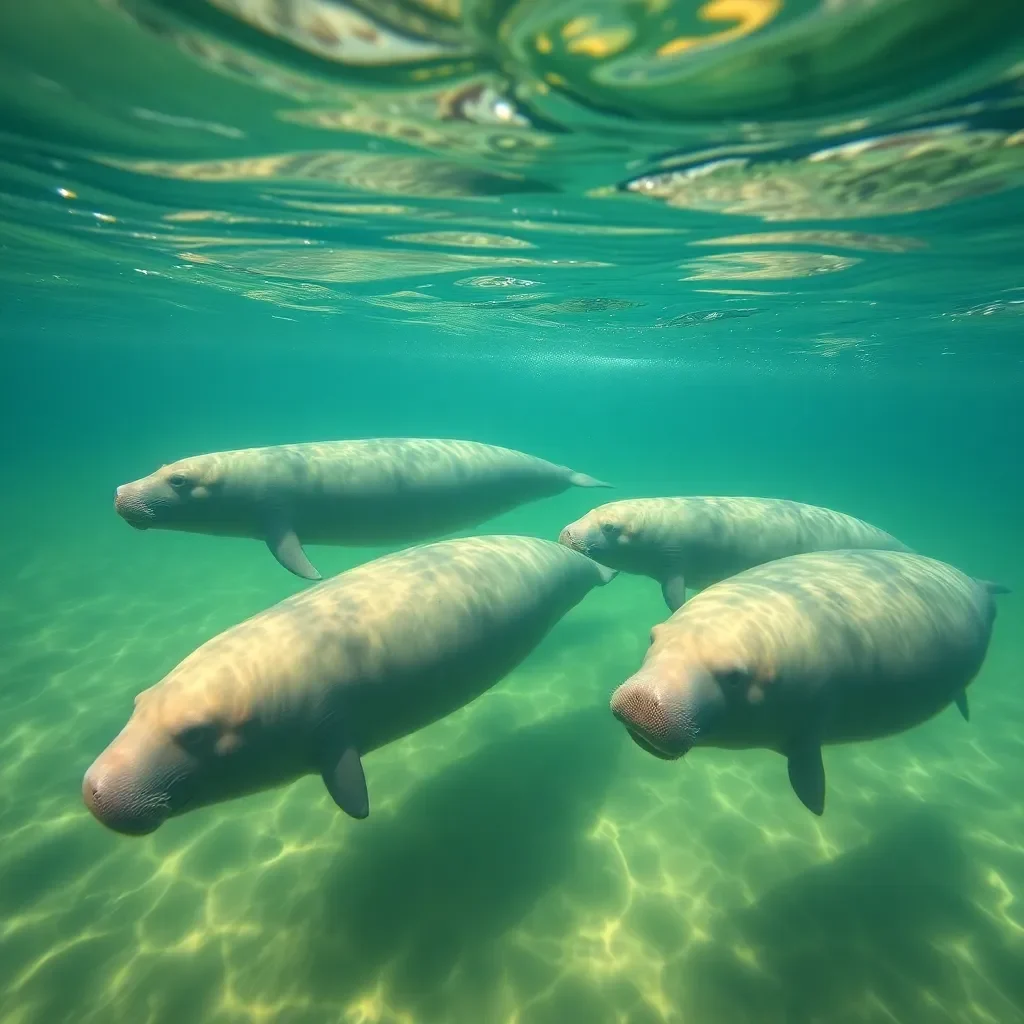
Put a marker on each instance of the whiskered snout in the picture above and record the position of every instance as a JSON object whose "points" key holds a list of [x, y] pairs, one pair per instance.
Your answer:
{"points": [[132, 507], [568, 539], [659, 718], [117, 801]]}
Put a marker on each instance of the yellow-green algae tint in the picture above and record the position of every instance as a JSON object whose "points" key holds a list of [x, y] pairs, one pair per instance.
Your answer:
{"points": [[524, 862]]}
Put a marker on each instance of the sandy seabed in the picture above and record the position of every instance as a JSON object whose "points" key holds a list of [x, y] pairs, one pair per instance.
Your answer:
{"points": [[523, 863]]}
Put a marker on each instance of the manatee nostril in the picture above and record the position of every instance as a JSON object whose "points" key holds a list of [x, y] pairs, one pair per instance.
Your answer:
{"points": [[91, 794]]}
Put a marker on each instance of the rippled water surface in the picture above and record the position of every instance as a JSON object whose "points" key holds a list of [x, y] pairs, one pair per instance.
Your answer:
{"points": [[629, 175], [768, 247]]}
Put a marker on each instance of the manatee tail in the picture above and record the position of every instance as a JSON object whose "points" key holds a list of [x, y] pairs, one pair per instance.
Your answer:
{"points": [[582, 480], [995, 588]]}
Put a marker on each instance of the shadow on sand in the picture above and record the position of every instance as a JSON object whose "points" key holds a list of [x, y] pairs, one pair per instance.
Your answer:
{"points": [[424, 895], [869, 937]]}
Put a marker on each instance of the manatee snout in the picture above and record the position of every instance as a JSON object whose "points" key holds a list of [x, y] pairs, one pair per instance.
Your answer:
{"points": [[127, 791], [665, 716], [567, 539], [582, 537], [133, 505], [601, 535], [119, 807]]}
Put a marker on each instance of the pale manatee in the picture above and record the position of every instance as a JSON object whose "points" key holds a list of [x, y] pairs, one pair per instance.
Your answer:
{"points": [[356, 493], [696, 541], [813, 649], [316, 682]]}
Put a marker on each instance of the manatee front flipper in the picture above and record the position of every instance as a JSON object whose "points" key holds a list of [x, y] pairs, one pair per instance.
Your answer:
{"points": [[287, 549], [582, 480], [807, 775], [995, 588], [674, 592], [961, 703], [342, 773]]}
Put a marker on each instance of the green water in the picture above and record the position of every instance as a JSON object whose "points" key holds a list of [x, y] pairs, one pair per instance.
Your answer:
{"points": [[215, 236]]}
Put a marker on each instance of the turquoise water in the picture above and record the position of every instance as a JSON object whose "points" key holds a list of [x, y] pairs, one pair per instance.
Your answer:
{"points": [[217, 235]]}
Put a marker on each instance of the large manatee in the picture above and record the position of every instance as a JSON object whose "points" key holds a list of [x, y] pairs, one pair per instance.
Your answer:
{"points": [[831, 647], [696, 541], [316, 682], [357, 493]]}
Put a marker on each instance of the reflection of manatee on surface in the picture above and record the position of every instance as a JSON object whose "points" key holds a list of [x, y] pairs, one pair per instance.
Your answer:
{"points": [[313, 684], [764, 266], [466, 239], [345, 35], [843, 239], [700, 316], [696, 541], [350, 265], [474, 118], [495, 281], [378, 173], [356, 493], [587, 305], [903, 172], [827, 647]]}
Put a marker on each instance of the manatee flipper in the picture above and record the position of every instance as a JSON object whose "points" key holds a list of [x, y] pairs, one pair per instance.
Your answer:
{"points": [[674, 592], [344, 779], [286, 547], [961, 702], [582, 480], [807, 776], [995, 588]]}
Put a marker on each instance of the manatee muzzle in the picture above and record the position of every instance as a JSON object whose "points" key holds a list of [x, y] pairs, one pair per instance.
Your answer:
{"points": [[122, 805], [577, 540], [644, 744], [658, 720], [130, 506]]}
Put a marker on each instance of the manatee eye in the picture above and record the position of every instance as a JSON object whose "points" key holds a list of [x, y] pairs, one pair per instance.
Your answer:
{"points": [[610, 530], [177, 480], [733, 678], [197, 739]]}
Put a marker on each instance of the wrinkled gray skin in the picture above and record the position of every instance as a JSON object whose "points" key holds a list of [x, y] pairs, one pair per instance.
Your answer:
{"points": [[357, 493], [696, 541], [832, 647], [318, 681]]}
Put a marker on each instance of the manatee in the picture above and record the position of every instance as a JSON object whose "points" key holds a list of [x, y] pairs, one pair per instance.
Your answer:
{"points": [[812, 649], [318, 681], [356, 493], [696, 541]]}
